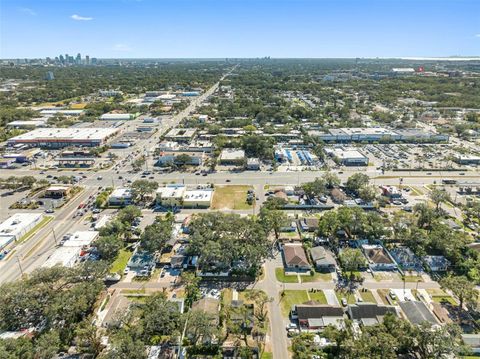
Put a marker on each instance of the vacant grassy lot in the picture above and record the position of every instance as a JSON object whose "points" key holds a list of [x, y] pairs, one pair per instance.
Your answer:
{"points": [[292, 297], [121, 262], [282, 277], [231, 197], [318, 296], [368, 297]]}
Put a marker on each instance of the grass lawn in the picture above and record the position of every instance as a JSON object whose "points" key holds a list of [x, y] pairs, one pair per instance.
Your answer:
{"points": [[292, 297], [266, 355], [281, 277], [350, 297], [440, 296], [319, 296], [445, 298], [121, 262], [231, 197], [317, 277], [43, 222], [368, 297]]}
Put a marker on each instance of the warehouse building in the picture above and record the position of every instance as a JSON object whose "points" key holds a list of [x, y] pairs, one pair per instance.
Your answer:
{"points": [[17, 226], [61, 112], [64, 137], [28, 124], [347, 156], [117, 116]]}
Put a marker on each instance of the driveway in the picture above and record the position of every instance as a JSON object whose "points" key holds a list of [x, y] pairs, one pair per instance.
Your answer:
{"points": [[331, 297]]}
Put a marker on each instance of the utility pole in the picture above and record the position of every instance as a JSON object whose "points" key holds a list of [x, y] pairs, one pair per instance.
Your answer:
{"points": [[19, 265]]}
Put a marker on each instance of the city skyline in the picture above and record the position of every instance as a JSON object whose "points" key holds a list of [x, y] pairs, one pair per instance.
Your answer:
{"points": [[215, 29]]}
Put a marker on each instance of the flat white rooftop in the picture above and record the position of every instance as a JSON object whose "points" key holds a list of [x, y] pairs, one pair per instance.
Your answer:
{"points": [[170, 192], [232, 154], [121, 193], [81, 238], [18, 223], [198, 196], [67, 134], [116, 116]]}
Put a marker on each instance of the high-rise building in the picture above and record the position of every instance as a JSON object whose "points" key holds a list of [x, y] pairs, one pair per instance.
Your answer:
{"points": [[87, 60], [49, 76], [78, 59]]}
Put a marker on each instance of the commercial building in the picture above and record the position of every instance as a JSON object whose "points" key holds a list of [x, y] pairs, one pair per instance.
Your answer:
{"points": [[181, 134], [377, 134], [180, 159], [180, 196], [57, 191], [170, 196], [15, 227], [72, 249], [198, 198], [231, 156], [347, 157], [120, 197], [102, 222], [27, 124], [253, 164], [64, 137], [117, 116], [67, 113], [468, 160]]}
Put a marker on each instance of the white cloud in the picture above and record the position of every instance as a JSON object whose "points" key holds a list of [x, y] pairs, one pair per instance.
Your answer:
{"points": [[122, 47], [81, 18], [27, 10]]}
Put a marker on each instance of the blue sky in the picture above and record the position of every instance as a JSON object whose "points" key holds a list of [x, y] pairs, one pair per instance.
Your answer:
{"points": [[239, 28]]}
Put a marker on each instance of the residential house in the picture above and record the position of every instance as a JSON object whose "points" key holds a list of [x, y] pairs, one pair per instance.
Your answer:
{"points": [[378, 258], [406, 259], [323, 259], [436, 263], [295, 257], [369, 313], [309, 224], [317, 316]]}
